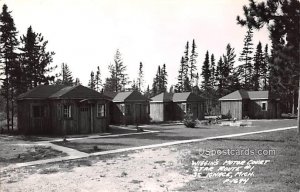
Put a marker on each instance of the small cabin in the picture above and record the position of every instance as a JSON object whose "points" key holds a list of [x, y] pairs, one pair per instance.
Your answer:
{"points": [[174, 106], [62, 110], [129, 107], [253, 104]]}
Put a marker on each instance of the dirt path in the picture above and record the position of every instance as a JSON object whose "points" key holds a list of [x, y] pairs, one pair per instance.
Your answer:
{"points": [[148, 170]]}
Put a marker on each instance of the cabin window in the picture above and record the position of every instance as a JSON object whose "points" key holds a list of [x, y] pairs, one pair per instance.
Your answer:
{"points": [[183, 107], [122, 108], [127, 109], [38, 111], [67, 111], [101, 110], [264, 106]]}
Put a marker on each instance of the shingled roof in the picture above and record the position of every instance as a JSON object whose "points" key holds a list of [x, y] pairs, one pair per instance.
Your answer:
{"points": [[61, 92], [242, 94], [163, 97], [176, 97], [129, 96]]}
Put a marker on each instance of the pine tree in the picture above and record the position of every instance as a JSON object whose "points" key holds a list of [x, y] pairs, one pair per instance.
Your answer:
{"points": [[220, 77], [258, 64], [246, 59], [164, 79], [118, 77], [9, 60], [228, 69], [67, 78], [265, 68], [140, 80], [148, 92], [36, 59], [206, 75], [192, 66], [134, 85], [180, 85], [98, 80], [212, 70], [92, 81]]}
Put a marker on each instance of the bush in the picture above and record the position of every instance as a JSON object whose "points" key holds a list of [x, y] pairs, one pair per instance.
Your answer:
{"points": [[188, 121]]}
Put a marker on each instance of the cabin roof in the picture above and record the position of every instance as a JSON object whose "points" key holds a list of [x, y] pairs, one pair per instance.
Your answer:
{"points": [[62, 92], [186, 96], [163, 97], [129, 96], [242, 94], [176, 97], [41, 92]]}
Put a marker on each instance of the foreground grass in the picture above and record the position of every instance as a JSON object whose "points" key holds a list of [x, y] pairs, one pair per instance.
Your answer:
{"points": [[282, 173]]}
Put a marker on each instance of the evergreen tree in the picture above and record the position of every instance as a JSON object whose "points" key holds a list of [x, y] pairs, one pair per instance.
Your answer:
{"points": [[265, 68], [67, 78], [9, 60], [258, 64], [164, 79], [148, 92], [206, 75], [246, 59], [134, 86], [118, 77], [98, 80], [228, 69], [140, 80], [212, 70], [181, 77], [282, 20], [192, 66], [220, 78], [36, 59], [92, 81]]}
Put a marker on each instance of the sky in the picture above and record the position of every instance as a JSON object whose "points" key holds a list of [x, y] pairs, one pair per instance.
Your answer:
{"points": [[86, 33]]}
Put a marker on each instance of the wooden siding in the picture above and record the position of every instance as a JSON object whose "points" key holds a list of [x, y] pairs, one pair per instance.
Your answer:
{"points": [[256, 111], [197, 109], [157, 111], [138, 113], [232, 107], [53, 122]]}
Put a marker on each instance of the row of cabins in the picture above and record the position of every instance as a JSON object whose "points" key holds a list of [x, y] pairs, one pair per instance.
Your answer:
{"points": [[60, 110]]}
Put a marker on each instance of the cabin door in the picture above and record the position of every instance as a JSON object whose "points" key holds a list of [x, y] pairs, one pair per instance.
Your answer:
{"points": [[84, 120], [138, 113]]}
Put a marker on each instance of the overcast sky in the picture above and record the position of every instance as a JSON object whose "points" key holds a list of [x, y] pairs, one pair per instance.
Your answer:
{"points": [[87, 33]]}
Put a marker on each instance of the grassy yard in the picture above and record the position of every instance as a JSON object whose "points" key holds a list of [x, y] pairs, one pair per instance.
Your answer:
{"points": [[15, 150], [282, 173]]}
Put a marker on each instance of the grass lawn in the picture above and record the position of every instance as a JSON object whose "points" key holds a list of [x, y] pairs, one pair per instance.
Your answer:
{"points": [[282, 173], [166, 134], [14, 150]]}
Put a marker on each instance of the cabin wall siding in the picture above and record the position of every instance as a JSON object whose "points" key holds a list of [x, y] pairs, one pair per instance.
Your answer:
{"points": [[157, 112], [118, 117], [232, 107], [53, 121]]}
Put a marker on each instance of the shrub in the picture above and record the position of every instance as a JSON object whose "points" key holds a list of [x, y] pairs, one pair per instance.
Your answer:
{"points": [[188, 121]]}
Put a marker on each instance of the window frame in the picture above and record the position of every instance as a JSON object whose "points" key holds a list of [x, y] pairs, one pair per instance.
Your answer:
{"points": [[40, 110], [266, 106], [67, 111], [101, 112]]}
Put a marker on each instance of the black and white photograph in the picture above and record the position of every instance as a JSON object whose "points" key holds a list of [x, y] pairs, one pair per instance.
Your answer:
{"points": [[149, 95]]}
